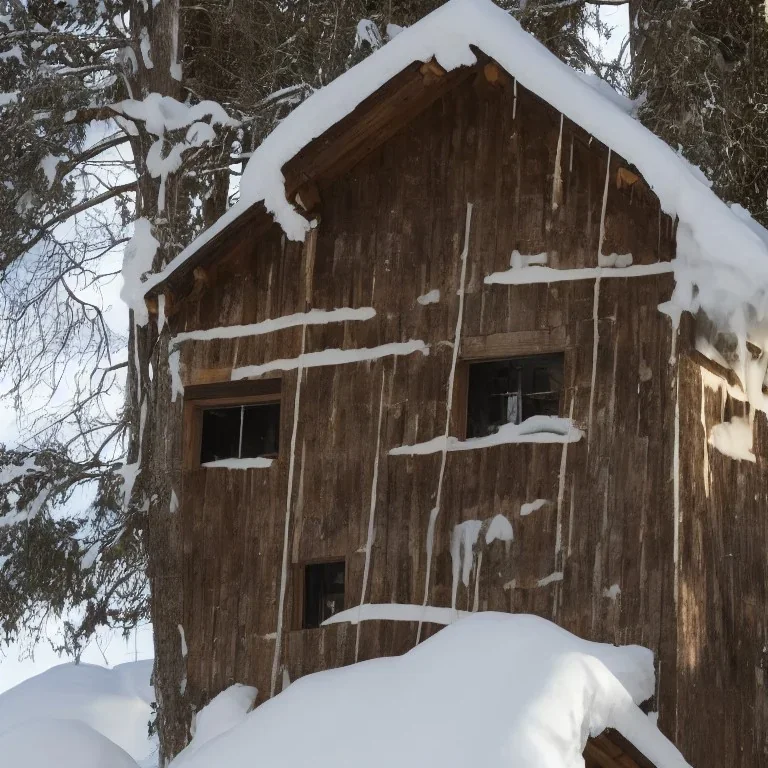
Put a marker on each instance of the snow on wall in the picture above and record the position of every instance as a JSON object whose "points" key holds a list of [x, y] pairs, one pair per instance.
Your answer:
{"points": [[256, 463], [313, 317], [537, 274], [535, 429], [332, 357], [396, 612], [463, 540], [493, 690], [532, 506], [733, 438], [499, 529], [431, 297]]}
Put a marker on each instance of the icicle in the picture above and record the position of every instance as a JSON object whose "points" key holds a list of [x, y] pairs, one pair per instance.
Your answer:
{"points": [[476, 604], [160, 313], [596, 302], [371, 510], [514, 98], [287, 529], [706, 441], [570, 161], [676, 491], [448, 407], [605, 206], [557, 178], [595, 346]]}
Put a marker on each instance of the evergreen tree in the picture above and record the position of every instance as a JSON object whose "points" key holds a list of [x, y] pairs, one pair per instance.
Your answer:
{"points": [[702, 68]]}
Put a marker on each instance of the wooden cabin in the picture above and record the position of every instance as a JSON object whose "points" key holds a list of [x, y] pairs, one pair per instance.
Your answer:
{"points": [[457, 393]]}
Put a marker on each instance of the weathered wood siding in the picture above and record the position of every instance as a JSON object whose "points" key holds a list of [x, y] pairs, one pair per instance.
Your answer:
{"points": [[723, 585], [391, 230]]}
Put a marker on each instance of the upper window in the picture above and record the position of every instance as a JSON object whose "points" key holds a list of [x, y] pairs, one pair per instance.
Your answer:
{"points": [[511, 390], [240, 432], [232, 420]]}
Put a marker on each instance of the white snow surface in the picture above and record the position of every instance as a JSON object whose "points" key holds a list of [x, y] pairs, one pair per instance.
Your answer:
{"points": [[431, 297], [535, 274], [113, 704], [722, 256], [313, 317], [430, 614], [532, 506], [137, 259], [499, 529], [733, 438], [535, 429], [47, 742], [222, 713], [331, 357], [256, 463], [493, 690]]}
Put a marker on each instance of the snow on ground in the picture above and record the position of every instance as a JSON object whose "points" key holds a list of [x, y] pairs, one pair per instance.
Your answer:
{"points": [[111, 705], [51, 743], [492, 690]]}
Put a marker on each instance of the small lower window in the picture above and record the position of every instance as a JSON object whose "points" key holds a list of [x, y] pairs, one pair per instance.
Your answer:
{"points": [[240, 432], [512, 390], [323, 592]]}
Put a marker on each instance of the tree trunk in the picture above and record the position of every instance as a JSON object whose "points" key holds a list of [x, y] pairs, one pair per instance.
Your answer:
{"points": [[150, 396]]}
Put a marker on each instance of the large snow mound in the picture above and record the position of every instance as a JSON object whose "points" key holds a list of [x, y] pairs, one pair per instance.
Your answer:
{"points": [[722, 262], [50, 743], [492, 690], [115, 703]]}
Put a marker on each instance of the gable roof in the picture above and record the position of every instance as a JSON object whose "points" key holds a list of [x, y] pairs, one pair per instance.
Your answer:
{"points": [[722, 254]]}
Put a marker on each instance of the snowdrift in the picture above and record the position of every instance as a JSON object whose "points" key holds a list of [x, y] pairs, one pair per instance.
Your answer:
{"points": [[492, 690], [111, 705], [45, 743]]}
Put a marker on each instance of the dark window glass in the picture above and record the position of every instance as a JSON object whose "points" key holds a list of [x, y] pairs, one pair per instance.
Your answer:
{"points": [[221, 434], [261, 430], [510, 391], [240, 432], [323, 592]]}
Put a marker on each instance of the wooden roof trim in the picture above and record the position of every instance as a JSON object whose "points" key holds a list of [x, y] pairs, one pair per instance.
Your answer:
{"points": [[611, 750], [375, 120], [346, 143], [181, 281]]}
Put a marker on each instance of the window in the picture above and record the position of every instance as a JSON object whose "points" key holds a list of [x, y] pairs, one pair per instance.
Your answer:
{"points": [[510, 391], [323, 592], [240, 432], [231, 420]]}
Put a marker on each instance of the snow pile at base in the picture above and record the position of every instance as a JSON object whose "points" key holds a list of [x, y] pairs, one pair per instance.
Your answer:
{"points": [[223, 713], [492, 690], [722, 260], [113, 703], [50, 743]]}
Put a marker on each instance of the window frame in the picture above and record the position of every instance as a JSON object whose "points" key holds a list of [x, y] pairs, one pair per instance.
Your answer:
{"points": [[503, 346], [201, 397], [300, 588]]}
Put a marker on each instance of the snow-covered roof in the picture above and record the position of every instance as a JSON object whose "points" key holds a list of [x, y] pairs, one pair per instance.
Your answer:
{"points": [[722, 256], [495, 690]]}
